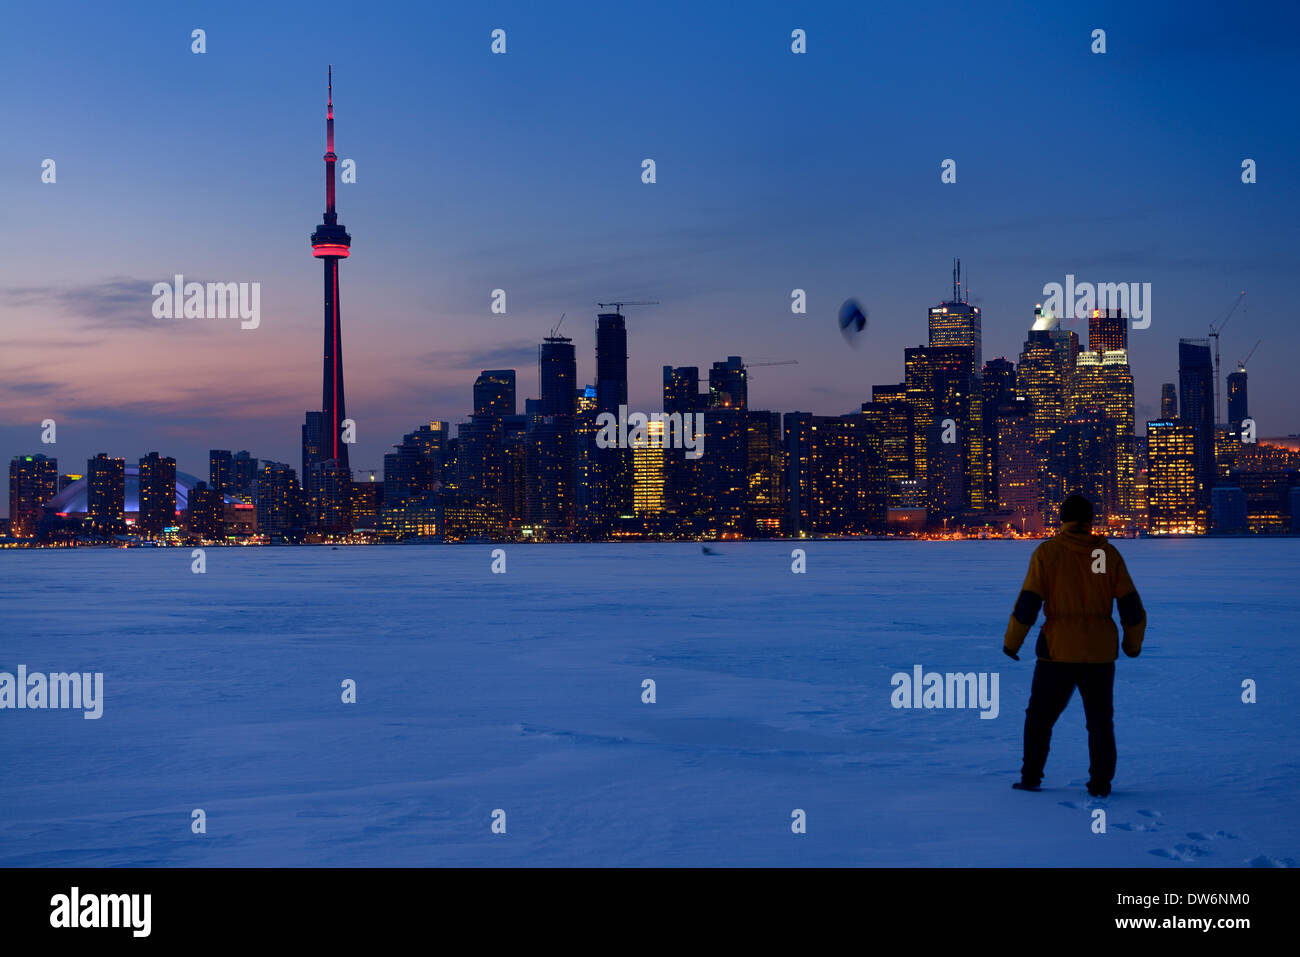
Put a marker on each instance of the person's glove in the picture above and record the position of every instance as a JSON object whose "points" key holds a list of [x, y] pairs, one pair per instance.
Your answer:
{"points": [[1009, 653]]}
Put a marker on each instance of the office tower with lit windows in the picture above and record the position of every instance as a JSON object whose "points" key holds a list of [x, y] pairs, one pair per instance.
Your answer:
{"points": [[648, 472], [1196, 410], [204, 513], [1268, 476], [1172, 479], [764, 475], [956, 401], [1046, 374], [1105, 381], [835, 472], [957, 322], [33, 481], [1081, 460], [244, 473], [891, 416], [998, 386], [106, 494], [684, 500], [920, 396], [494, 393], [157, 487], [1107, 331], [279, 499], [722, 471], [1017, 477], [221, 471]]}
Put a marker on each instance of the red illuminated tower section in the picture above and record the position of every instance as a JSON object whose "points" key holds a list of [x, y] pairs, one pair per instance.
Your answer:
{"points": [[330, 243]]}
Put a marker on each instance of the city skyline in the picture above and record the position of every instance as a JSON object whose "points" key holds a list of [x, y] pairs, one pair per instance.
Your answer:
{"points": [[82, 347]]}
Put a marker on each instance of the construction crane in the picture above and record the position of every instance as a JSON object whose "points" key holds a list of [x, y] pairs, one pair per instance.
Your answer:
{"points": [[1214, 334], [783, 362], [556, 328], [618, 306], [1241, 363]]}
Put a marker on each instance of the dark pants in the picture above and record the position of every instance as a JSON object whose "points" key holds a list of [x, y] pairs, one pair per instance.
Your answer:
{"points": [[1054, 683]]}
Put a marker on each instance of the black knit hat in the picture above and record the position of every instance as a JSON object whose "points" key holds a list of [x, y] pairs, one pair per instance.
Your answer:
{"points": [[1076, 508]]}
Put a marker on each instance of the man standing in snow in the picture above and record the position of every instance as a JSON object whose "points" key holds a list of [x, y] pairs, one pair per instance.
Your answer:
{"points": [[1077, 575]]}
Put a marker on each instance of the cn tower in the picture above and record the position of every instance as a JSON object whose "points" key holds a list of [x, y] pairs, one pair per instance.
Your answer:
{"points": [[330, 243]]}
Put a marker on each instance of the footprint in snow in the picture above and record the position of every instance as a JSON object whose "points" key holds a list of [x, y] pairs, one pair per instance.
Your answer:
{"points": [[1182, 852], [1216, 836]]}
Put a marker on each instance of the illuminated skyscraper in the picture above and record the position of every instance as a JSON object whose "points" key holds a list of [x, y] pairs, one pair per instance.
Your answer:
{"points": [[221, 471], [1017, 474], [1082, 460], [157, 477], [998, 383], [205, 512], [106, 494], [957, 403], [494, 393], [683, 477], [1045, 375], [1171, 479], [764, 474], [33, 481], [920, 396], [244, 473], [957, 322], [1107, 332], [279, 499], [648, 473], [891, 416], [1106, 382], [836, 481]]}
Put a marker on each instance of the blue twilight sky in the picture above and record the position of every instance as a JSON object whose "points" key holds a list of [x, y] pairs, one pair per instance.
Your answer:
{"points": [[522, 171]]}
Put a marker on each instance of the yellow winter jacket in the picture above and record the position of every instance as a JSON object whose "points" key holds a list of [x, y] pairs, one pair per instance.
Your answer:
{"points": [[1077, 575]]}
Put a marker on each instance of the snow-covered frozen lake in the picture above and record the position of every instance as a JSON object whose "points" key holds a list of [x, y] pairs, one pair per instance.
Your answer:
{"points": [[523, 692]]}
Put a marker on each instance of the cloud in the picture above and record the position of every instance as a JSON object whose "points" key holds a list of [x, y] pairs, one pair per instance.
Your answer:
{"points": [[115, 303]]}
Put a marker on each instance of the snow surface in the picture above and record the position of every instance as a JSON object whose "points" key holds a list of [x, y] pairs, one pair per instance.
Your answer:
{"points": [[522, 692]]}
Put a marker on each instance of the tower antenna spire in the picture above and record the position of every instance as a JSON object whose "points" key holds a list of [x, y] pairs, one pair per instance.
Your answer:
{"points": [[330, 243]]}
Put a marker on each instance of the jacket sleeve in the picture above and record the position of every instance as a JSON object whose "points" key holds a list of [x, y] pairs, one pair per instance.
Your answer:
{"points": [[1131, 613], [1027, 605]]}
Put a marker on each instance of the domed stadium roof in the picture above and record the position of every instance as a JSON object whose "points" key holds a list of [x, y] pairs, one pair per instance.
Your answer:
{"points": [[72, 500]]}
